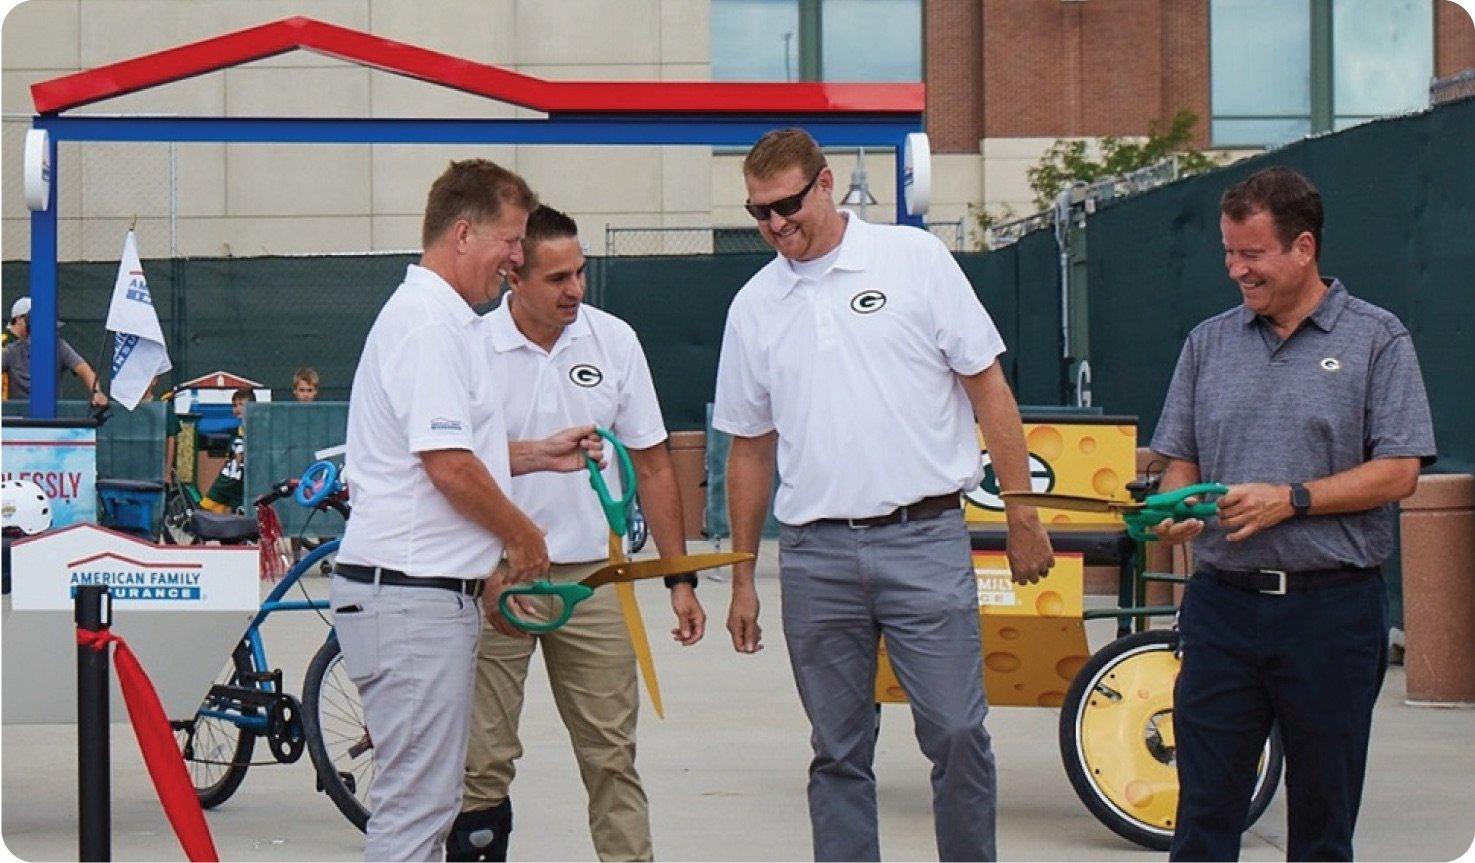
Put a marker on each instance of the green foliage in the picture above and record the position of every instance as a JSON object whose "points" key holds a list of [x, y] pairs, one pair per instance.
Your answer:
{"points": [[1066, 162], [984, 218]]}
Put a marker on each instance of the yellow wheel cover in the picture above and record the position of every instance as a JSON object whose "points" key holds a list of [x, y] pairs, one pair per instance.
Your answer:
{"points": [[1126, 738]]}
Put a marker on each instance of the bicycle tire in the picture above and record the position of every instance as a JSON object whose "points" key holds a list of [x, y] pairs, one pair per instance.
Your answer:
{"points": [[1133, 788], [226, 744], [330, 699]]}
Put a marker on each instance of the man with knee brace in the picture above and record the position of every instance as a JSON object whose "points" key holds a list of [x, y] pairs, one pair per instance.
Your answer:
{"points": [[557, 359]]}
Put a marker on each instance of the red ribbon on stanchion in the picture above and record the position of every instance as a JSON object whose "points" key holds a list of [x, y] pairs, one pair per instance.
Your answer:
{"points": [[160, 750]]}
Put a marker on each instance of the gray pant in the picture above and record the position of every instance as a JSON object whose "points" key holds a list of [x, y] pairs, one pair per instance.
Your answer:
{"points": [[412, 653], [842, 589]]}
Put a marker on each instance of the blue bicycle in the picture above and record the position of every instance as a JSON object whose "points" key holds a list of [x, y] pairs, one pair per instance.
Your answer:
{"points": [[249, 701]]}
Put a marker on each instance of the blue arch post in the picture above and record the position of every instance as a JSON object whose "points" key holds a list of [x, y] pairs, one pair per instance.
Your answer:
{"points": [[43, 300]]}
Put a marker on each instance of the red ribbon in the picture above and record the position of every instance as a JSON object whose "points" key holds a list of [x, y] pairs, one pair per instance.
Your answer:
{"points": [[160, 750]]}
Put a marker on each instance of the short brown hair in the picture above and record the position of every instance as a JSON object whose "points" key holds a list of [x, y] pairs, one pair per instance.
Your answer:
{"points": [[1293, 203], [782, 149], [243, 394], [475, 190], [544, 224], [306, 373]]}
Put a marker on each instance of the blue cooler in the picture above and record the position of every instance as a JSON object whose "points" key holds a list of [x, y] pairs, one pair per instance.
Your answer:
{"points": [[130, 505]]}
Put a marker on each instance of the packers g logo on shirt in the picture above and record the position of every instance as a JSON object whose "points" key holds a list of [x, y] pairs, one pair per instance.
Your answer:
{"points": [[585, 375], [866, 302]]}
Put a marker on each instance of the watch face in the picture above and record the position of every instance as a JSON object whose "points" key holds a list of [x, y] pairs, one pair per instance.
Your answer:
{"points": [[1300, 498]]}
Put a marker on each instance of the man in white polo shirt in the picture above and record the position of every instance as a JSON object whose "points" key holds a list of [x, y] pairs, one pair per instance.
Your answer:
{"points": [[429, 457], [857, 361], [561, 363]]}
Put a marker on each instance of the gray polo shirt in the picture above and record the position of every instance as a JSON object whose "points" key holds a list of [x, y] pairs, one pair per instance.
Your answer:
{"points": [[17, 364], [1247, 406]]}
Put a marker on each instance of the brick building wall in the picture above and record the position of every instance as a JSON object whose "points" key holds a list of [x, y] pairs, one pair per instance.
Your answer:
{"points": [[1454, 39]]}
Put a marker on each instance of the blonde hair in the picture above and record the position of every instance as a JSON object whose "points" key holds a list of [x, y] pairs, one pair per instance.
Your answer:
{"points": [[782, 149]]}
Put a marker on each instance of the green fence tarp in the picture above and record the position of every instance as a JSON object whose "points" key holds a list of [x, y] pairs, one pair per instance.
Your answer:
{"points": [[281, 438]]}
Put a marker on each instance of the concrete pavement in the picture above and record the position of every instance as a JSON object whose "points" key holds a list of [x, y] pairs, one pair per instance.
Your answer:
{"points": [[725, 773]]}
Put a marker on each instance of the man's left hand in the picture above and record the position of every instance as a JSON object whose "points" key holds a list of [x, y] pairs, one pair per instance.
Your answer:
{"points": [[565, 451], [1030, 554], [691, 620], [98, 399], [1251, 508]]}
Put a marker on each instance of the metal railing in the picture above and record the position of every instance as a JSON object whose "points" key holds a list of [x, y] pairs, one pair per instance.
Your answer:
{"points": [[1088, 197]]}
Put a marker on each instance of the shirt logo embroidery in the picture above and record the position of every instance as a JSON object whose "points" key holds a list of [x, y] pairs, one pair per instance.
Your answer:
{"points": [[1331, 364], [866, 302], [445, 424], [585, 375]]}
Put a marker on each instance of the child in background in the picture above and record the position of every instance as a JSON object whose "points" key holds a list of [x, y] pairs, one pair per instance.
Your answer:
{"points": [[305, 384], [227, 494]]}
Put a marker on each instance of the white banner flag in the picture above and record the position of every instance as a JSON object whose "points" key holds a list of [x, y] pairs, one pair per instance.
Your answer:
{"points": [[138, 340]]}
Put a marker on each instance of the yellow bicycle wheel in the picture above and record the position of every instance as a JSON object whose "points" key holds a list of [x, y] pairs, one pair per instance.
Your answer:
{"points": [[1116, 739]]}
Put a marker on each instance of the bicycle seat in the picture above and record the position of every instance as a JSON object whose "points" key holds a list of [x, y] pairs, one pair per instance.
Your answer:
{"points": [[223, 528]]}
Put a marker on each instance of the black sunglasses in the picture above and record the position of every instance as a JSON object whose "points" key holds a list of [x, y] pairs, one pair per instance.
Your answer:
{"points": [[785, 207]]}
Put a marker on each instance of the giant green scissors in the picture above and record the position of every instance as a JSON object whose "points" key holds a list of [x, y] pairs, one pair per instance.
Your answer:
{"points": [[1140, 515]]}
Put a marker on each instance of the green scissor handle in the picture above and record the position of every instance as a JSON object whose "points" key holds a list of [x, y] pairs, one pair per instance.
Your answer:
{"points": [[1173, 504], [616, 512], [572, 593]]}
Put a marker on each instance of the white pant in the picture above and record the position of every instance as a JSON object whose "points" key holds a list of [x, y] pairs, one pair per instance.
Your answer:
{"points": [[412, 653]]}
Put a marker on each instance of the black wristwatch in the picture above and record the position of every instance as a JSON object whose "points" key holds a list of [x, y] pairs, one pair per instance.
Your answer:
{"points": [[1300, 499], [684, 578]]}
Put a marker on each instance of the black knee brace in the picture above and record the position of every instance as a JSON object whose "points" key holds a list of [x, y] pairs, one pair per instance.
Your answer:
{"points": [[481, 834]]}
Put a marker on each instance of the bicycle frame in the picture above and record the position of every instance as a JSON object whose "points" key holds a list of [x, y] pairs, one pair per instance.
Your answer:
{"points": [[272, 604]]}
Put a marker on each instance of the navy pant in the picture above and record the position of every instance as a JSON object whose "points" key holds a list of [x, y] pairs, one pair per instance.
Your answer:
{"points": [[1312, 661]]}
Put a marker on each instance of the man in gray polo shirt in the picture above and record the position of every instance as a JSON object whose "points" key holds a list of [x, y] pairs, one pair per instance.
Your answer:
{"points": [[1308, 403]]}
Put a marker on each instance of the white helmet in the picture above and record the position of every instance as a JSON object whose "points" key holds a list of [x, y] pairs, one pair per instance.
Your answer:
{"points": [[26, 507]]}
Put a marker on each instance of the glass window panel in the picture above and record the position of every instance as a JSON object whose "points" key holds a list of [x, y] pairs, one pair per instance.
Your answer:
{"points": [[872, 40], [755, 40], [1259, 133], [1260, 61], [1382, 56]]}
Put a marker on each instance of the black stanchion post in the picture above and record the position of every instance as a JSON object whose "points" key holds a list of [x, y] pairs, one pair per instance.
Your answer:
{"points": [[93, 611]]}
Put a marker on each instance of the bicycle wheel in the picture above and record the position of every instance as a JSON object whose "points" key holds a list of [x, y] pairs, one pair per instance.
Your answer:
{"points": [[217, 752], [1117, 743], [337, 736]]}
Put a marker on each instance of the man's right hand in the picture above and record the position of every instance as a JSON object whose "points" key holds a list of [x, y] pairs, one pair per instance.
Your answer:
{"points": [[527, 555], [742, 616], [492, 609], [1175, 532]]}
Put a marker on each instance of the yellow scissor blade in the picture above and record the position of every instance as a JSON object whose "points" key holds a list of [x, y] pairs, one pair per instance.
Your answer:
{"points": [[1080, 503], [634, 570]]}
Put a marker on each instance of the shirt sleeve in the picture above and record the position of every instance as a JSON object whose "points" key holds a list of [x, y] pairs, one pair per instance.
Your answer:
{"points": [[68, 355], [1174, 435], [427, 383], [1398, 420], [965, 333], [742, 406], [638, 420]]}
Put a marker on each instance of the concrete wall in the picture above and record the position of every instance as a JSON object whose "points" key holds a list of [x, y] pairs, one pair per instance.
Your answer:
{"points": [[282, 199]]}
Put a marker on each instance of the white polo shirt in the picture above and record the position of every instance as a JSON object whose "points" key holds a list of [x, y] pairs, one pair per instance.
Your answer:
{"points": [[595, 374], [855, 368], [421, 385]]}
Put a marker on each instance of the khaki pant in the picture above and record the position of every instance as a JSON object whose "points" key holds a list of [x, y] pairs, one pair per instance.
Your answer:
{"points": [[591, 667]]}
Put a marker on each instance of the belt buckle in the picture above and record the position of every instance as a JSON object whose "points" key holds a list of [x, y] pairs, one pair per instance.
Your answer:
{"points": [[1279, 589]]}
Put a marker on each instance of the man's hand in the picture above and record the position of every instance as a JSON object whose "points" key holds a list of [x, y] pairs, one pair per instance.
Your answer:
{"points": [[98, 399], [1028, 544], [491, 606], [1175, 532], [565, 451], [691, 620], [527, 554], [1251, 508], [742, 617]]}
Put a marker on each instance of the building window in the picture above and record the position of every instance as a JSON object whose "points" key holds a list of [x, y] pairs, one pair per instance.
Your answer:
{"points": [[816, 40], [1282, 69]]}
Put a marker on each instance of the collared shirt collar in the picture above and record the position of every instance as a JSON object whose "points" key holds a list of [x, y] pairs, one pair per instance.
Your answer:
{"points": [[440, 292], [506, 336], [855, 253], [1324, 316]]}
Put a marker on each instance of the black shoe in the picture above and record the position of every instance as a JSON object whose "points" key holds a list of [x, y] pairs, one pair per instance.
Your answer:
{"points": [[481, 834]]}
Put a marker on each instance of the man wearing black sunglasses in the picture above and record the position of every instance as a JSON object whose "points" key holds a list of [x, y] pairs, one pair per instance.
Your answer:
{"points": [[856, 363]]}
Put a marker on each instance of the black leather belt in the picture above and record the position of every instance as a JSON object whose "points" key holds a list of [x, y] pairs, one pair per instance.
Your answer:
{"points": [[927, 507], [369, 574], [1277, 582]]}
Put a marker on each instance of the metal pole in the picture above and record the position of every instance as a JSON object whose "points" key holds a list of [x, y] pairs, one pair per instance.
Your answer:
{"points": [[92, 609]]}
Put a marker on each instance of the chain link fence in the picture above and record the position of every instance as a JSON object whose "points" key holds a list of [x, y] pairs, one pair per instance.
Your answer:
{"points": [[644, 242]]}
